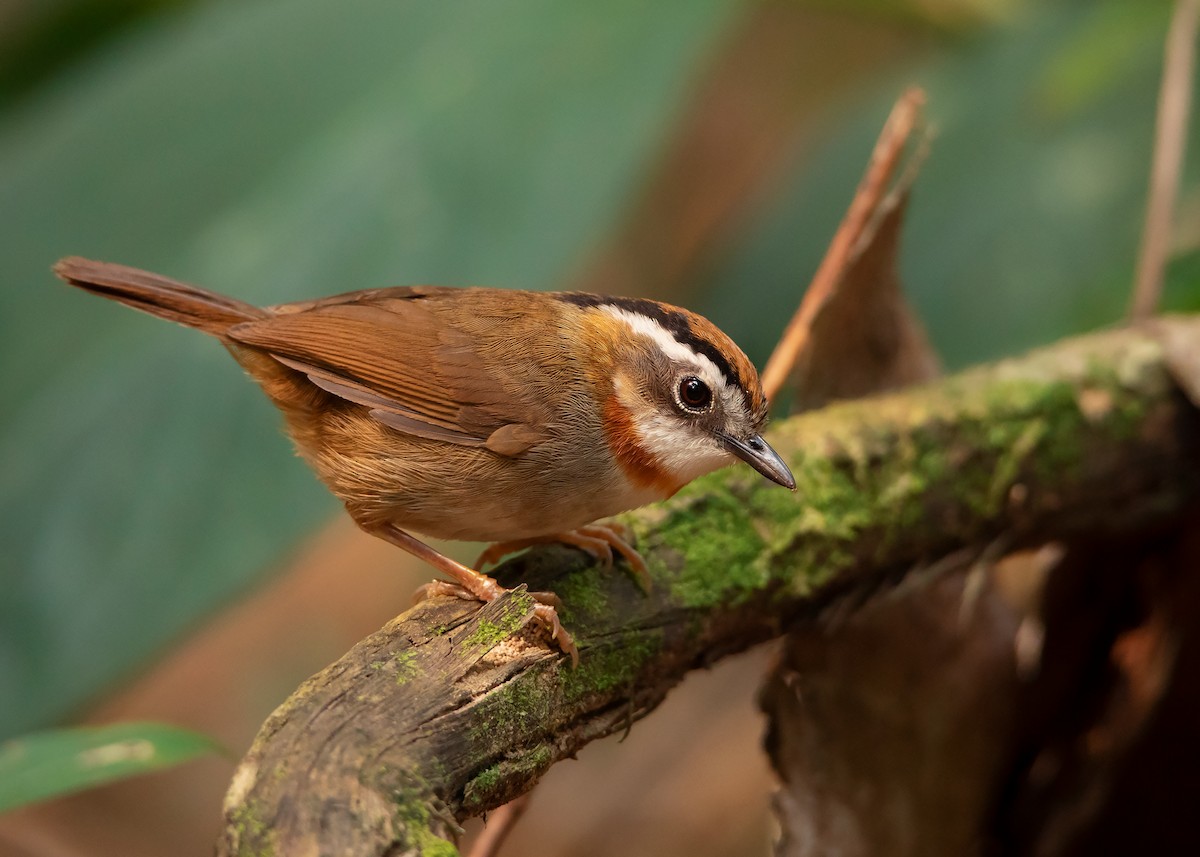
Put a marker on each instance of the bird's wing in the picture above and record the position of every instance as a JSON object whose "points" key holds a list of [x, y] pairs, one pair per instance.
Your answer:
{"points": [[397, 353]]}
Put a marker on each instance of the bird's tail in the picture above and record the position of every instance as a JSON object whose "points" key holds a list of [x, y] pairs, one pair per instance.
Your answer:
{"points": [[158, 295]]}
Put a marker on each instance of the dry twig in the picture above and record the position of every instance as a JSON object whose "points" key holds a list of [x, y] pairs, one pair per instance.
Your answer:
{"points": [[499, 824], [1170, 141], [889, 148]]}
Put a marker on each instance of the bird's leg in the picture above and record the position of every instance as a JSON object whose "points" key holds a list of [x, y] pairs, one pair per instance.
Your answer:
{"points": [[598, 540], [471, 585]]}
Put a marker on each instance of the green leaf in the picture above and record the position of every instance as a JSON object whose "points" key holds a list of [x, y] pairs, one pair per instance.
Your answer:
{"points": [[61, 761], [272, 149]]}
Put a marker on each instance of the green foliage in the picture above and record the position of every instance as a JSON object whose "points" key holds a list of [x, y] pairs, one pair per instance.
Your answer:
{"points": [[60, 761], [273, 149]]}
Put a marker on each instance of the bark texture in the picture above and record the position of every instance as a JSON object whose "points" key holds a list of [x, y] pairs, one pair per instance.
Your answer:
{"points": [[450, 710]]}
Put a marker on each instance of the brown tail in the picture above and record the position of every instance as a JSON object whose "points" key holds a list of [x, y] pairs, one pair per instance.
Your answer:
{"points": [[158, 295]]}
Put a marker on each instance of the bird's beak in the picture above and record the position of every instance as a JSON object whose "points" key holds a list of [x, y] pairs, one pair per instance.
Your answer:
{"points": [[758, 454]]}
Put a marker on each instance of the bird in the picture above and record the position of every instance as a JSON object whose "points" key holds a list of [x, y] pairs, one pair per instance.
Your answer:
{"points": [[482, 414]]}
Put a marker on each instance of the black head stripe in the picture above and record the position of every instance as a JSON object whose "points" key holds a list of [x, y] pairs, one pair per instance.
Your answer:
{"points": [[674, 322]]}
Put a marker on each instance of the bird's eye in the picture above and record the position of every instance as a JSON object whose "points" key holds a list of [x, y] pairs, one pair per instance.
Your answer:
{"points": [[694, 394]]}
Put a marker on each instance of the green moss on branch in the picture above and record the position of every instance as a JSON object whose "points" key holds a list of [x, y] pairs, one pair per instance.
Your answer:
{"points": [[466, 707]]}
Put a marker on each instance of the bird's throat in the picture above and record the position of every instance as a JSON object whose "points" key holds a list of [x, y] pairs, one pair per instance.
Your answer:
{"points": [[639, 465]]}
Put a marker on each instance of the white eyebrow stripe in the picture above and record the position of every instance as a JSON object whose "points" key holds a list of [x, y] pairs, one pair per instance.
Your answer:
{"points": [[661, 337]]}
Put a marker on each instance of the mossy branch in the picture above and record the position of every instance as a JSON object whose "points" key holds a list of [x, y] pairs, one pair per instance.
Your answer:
{"points": [[451, 710]]}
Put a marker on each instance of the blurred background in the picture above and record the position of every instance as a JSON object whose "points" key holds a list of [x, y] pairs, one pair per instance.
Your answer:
{"points": [[164, 556]]}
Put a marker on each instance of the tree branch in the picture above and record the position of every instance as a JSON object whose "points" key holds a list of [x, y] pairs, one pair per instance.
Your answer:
{"points": [[450, 710]]}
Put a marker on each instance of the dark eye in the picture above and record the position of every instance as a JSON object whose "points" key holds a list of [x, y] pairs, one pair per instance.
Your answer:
{"points": [[694, 394]]}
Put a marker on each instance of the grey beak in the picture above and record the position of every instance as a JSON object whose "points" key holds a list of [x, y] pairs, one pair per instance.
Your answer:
{"points": [[758, 454]]}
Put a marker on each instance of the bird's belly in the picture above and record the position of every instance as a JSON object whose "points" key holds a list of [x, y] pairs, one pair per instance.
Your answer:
{"points": [[504, 521], [471, 494], [494, 514]]}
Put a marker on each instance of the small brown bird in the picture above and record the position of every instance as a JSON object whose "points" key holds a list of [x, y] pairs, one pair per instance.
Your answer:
{"points": [[484, 414]]}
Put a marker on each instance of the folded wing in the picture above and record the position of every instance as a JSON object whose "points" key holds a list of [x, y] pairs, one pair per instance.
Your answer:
{"points": [[393, 353]]}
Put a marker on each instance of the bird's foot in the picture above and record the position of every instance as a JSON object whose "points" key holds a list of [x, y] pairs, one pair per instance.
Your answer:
{"points": [[597, 540], [471, 585], [485, 590]]}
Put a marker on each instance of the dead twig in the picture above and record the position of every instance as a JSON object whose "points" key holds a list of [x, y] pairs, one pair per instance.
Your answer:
{"points": [[889, 148], [1170, 141], [499, 824]]}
